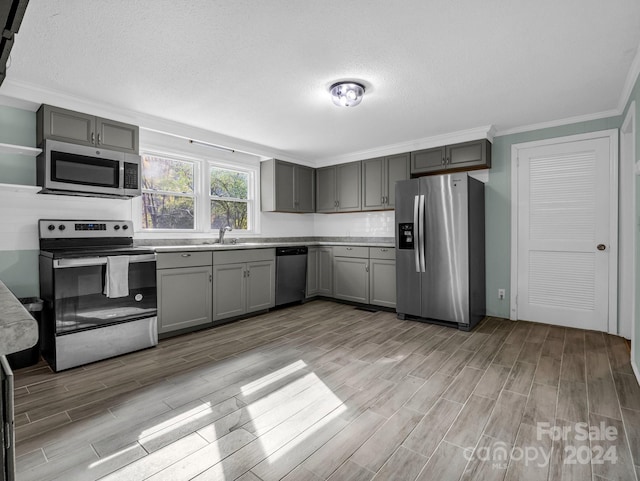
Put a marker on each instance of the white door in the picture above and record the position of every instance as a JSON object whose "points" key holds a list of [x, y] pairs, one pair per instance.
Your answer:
{"points": [[565, 241]]}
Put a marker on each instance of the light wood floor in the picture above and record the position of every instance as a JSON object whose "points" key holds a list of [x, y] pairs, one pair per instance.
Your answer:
{"points": [[327, 391]]}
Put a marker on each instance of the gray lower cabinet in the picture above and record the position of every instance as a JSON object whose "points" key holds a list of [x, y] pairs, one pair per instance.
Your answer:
{"points": [[338, 188], [382, 277], [312, 272], [351, 274], [184, 291], [463, 156], [286, 187], [229, 291], [243, 287], [325, 271], [379, 177], [79, 128], [365, 275], [319, 272]]}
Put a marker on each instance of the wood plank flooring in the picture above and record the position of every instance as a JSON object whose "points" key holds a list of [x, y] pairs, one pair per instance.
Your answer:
{"points": [[324, 391]]}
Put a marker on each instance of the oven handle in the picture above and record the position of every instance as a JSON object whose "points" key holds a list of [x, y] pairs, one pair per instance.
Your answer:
{"points": [[97, 261]]}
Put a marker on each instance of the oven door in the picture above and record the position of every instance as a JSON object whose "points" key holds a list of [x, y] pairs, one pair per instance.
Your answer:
{"points": [[80, 304]]}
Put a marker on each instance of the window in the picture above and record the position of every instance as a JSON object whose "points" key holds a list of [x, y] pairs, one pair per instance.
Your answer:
{"points": [[168, 194], [229, 192], [198, 195]]}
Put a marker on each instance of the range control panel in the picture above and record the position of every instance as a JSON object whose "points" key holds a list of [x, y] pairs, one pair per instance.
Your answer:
{"points": [[70, 229]]}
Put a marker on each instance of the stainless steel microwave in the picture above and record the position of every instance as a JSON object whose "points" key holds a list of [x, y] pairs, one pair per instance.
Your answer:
{"points": [[71, 169]]}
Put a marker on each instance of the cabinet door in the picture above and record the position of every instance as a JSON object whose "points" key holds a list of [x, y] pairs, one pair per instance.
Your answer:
{"points": [[312, 272], [65, 125], [351, 279], [397, 168], [184, 298], [325, 271], [304, 188], [348, 186], [428, 160], [116, 135], [261, 285], [285, 201], [469, 154], [326, 189], [229, 298], [373, 184], [382, 277]]}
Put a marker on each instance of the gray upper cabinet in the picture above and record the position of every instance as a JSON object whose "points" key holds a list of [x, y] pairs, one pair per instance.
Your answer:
{"points": [[287, 187], [326, 189], [464, 156], [469, 154], [304, 183], [83, 129], [116, 135], [428, 160], [379, 177], [338, 188]]}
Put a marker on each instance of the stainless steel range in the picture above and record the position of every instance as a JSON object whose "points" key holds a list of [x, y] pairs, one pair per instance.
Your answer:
{"points": [[99, 292]]}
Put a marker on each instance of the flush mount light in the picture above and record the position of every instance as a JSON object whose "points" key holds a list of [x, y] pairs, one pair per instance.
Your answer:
{"points": [[347, 94]]}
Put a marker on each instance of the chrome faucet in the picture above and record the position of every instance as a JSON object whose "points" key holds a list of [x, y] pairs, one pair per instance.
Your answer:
{"points": [[222, 232]]}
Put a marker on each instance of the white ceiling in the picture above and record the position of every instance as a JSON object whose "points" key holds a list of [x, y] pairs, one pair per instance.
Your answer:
{"points": [[259, 70]]}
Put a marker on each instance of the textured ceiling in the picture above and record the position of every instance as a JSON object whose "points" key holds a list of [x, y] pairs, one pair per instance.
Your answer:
{"points": [[260, 70]]}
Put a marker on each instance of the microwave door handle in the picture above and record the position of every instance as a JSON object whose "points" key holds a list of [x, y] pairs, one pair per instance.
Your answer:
{"points": [[98, 261], [416, 235]]}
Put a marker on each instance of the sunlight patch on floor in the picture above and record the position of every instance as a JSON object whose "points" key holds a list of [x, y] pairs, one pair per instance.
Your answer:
{"points": [[176, 421], [272, 377]]}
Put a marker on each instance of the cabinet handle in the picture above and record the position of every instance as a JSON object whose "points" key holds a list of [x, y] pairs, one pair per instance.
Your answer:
{"points": [[248, 273], [448, 160], [444, 161], [366, 267], [210, 278], [185, 255], [384, 250], [349, 248], [98, 139], [93, 137]]}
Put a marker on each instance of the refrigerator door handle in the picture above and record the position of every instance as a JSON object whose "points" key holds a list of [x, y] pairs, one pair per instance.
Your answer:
{"points": [[422, 237], [416, 235]]}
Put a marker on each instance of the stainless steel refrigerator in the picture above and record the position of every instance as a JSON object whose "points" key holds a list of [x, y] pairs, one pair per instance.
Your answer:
{"points": [[440, 255]]}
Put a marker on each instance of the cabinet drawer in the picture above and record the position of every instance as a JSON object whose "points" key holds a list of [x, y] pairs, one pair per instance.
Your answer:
{"points": [[351, 251], [243, 255], [382, 253], [168, 260]]}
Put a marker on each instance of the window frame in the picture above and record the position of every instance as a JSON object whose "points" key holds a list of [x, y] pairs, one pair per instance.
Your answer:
{"points": [[251, 194], [202, 197]]}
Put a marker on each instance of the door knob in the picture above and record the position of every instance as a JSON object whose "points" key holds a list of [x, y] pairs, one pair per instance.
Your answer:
{"points": [[601, 247]]}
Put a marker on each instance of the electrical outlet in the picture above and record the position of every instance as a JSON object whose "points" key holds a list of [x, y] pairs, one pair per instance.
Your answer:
{"points": [[501, 294]]}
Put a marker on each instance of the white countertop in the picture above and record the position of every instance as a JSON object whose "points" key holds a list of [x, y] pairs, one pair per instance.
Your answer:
{"points": [[260, 245], [18, 330]]}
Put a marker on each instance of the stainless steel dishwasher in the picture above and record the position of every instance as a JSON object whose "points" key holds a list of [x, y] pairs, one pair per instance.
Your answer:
{"points": [[291, 274]]}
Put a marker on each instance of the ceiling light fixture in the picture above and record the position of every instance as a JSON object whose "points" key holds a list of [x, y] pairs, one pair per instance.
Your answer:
{"points": [[347, 94]]}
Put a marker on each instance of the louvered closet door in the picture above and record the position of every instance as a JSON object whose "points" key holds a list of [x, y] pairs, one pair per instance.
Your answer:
{"points": [[563, 216]]}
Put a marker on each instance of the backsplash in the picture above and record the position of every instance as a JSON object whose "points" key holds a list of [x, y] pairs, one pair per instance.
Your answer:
{"points": [[356, 224]]}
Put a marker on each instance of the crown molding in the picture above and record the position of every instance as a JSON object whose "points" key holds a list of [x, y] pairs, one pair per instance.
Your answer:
{"points": [[30, 97], [485, 132], [559, 122]]}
